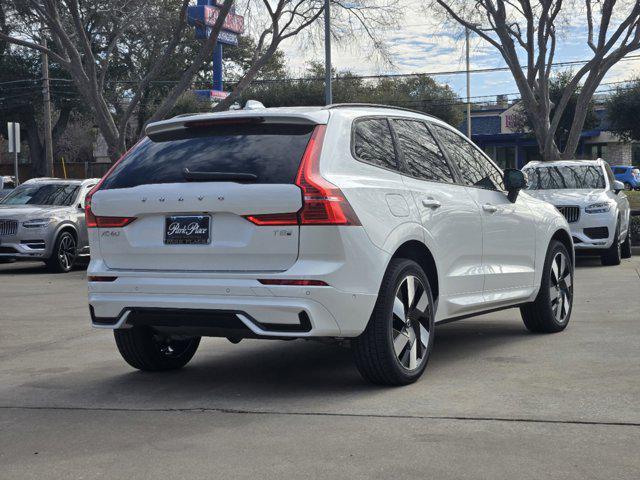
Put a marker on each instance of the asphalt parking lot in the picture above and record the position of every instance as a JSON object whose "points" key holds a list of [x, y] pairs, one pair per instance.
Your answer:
{"points": [[496, 401]]}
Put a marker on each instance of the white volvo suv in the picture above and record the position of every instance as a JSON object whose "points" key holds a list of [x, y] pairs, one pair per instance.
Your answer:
{"points": [[356, 222], [593, 201]]}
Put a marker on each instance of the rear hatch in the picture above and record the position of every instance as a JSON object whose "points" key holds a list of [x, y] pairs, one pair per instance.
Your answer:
{"points": [[190, 190]]}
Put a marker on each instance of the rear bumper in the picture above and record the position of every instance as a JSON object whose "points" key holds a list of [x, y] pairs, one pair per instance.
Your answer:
{"points": [[209, 304], [342, 257]]}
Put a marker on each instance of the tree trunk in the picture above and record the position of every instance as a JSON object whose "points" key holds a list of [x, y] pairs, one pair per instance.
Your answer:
{"points": [[187, 76], [36, 152]]}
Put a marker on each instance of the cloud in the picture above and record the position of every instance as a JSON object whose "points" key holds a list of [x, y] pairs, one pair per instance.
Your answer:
{"points": [[421, 44]]}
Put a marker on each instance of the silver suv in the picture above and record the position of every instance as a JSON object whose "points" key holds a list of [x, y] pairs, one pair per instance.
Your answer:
{"points": [[43, 219]]}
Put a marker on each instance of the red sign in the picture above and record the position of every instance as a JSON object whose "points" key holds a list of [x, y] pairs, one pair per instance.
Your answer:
{"points": [[233, 23], [511, 121], [218, 94]]}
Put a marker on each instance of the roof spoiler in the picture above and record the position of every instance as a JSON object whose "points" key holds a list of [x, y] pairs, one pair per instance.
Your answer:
{"points": [[236, 117]]}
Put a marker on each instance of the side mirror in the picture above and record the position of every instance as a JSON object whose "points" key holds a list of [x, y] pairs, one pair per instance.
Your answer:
{"points": [[617, 186], [514, 181]]}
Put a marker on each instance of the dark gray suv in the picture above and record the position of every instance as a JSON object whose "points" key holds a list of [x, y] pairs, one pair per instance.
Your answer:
{"points": [[43, 219]]}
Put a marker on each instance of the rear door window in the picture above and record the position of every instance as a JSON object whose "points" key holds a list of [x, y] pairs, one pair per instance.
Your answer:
{"points": [[373, 143], [270, 151], [421, 153], [474, 166]]}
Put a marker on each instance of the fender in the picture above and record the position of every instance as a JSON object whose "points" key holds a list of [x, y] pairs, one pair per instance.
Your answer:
{"points": [[68, 225], [404, 233], [407, 232]]}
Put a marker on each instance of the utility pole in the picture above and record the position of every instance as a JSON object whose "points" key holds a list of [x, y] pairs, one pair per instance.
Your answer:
{"points": [[328, 95], [467, 34], [48, 140], [13, 131]]}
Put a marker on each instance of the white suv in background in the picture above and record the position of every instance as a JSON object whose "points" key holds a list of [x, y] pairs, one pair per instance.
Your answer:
{"points": [[593, 201], [350, 222]]}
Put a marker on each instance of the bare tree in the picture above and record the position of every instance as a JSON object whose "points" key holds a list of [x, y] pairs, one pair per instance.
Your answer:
{"points": [[530, 29], [85, 36], [275, 21]]}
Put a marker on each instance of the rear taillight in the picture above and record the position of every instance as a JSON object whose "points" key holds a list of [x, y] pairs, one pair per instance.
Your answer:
{"points": [[92, 220], [274, 219], [112, 222], [322, 202]]}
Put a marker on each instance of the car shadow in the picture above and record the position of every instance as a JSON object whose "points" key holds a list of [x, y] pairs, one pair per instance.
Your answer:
{"points": [[260, 374], [588, 262], [27, 267]]}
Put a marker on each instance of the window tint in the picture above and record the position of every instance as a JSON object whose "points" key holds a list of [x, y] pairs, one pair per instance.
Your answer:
{"points": [[421, 152], [373, 143], [270, 151], [476, 170], [50, 194], [619, 170]]}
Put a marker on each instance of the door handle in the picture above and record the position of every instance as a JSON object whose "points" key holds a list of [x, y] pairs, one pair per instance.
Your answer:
{"points": [[431, 203], [487, 207]]}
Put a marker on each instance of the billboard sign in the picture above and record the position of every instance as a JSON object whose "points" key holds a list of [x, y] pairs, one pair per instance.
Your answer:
{"points": [[204, 17], [228, 38]]}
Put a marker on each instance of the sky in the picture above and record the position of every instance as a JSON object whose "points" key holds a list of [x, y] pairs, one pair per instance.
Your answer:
{"points": [[424, 44]]}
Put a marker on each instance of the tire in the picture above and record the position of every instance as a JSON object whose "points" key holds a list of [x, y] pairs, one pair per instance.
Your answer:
{"points": [[64, 254], [550, 312], [147, 350], [393, 350], [627, 186], [613, 254], [625, 248]]}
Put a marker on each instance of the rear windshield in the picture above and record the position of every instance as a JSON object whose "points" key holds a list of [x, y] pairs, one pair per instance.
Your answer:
{"points": [[565, 177], [271, 151]]}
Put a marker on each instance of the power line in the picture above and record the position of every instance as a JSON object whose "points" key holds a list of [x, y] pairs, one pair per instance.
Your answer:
{"points": [[343, 78]]}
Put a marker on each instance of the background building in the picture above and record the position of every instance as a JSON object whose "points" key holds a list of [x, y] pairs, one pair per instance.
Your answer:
{"points": [[495, 128]]}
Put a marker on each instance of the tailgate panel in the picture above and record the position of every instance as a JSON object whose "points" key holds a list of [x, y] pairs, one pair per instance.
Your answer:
{"points": [[236, 244]]}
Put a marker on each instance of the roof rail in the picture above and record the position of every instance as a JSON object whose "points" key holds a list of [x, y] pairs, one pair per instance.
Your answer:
{"points": [[375, 105]]}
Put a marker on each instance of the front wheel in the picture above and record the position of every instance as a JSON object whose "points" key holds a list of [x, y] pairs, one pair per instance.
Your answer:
{"points": [[145, 349], [628, 186], [613, 254], [551, 310], [64, 253], [395, 346]]}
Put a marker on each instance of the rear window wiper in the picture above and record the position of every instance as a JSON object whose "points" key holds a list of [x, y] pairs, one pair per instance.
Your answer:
{"points": [[218, 176]]}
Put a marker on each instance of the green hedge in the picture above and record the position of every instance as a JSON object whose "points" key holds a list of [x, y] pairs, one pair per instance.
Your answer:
{"points": [[635, 230], [634, 199]]}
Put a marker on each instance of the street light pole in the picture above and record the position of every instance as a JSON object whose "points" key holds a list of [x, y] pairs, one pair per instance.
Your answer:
{"points": [[467, 35], [328, 95]]}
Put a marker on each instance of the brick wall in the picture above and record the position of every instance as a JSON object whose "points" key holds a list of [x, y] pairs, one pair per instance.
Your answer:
{"points": [[619, 154]]}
